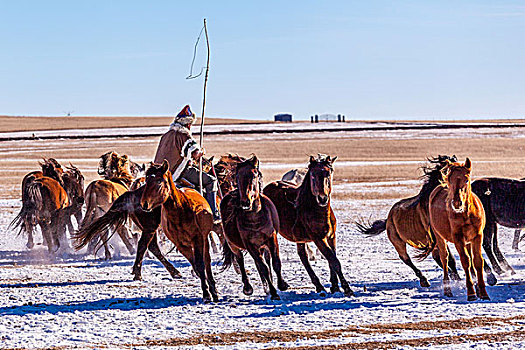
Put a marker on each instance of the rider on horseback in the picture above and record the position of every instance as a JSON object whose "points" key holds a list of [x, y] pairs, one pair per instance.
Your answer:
{"points": [[179, 148]]}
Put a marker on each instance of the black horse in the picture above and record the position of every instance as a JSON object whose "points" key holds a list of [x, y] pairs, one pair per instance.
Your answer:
{"points": [[504, 203]]}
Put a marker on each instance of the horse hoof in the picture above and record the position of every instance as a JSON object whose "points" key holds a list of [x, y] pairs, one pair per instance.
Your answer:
{"points": [[206, 300], [349, 293], [335, 289], [247, 290], [448, 294], [283, 286], [137, 278], [472, 297], [30, 245], [491, 280], [215, 298], [176, 275], [275, 297], [424, 283], [455, 277]]}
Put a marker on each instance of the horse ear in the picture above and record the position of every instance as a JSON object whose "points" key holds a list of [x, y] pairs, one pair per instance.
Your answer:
{"points": [[312, 159], [165, 166], [333, 160], [255, 161], [468, 165], [143, 167]]}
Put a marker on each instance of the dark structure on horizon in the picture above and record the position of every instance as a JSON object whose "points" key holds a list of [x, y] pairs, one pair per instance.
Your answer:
{"points": [[283, 117], [327, 118]]}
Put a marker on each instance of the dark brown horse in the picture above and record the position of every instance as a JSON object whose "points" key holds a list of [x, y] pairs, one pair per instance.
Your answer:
{"points": [[457, 216], [408, 222], [47, 204], [71, 180], [305, 215], [503, 200], [251, 223], [186, 220]]}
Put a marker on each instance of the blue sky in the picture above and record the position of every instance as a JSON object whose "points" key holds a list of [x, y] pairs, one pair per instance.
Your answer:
{"points": [[365, 59]]}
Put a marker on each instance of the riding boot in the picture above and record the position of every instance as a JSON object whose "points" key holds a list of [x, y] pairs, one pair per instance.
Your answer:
{"points": [[211, 198]]}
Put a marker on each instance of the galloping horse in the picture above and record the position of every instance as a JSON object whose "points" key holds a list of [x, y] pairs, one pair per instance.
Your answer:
{"points": [[251, 223], [503, 200], [186, 220], [457, 216], [408, 222], [71, 180], [305, 215], [100, 194]]}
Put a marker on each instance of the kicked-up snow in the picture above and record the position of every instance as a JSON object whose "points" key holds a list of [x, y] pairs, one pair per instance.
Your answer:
{"points": [[84, 302]]}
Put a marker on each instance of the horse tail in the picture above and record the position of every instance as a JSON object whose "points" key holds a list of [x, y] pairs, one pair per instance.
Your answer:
{"points": [[227, 256], [114, 218], [425, 251], [31, 203], [373, 229]]}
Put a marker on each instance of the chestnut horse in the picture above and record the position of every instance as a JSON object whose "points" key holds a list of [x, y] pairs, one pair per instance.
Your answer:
{"points": [[408, 222], [100, 194], [457, 216], [305, 215], [186, 220], [251, 222], [128, 205]]}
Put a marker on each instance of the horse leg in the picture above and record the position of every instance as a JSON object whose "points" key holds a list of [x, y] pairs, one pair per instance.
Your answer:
{"points": [[263, 269], [334, 282], [124, 234], [443, 254], [310, 252], [144, 242], [154, 248], [452, 266], [239, 258], [499, 254], [334, 263], [46, 234], [268, 259], [478, 264], [516, 240], [199, 266], [488, 236], [28, 228], [209, 272], [301, 250], [401, 249], [466, 260], [276, 261]]}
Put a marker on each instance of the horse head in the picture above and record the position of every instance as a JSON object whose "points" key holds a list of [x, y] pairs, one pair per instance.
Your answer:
{"points": [[456, 177], [157, 188], [320, 172], [107, 164], [137, 170], [249, 183]]}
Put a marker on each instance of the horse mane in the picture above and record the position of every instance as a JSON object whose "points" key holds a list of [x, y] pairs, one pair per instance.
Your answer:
{"points": [[432, 174], [104, 165], [51, 168]]}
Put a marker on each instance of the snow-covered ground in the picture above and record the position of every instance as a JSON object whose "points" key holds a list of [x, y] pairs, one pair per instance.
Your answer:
{"points": [[79, 301]]}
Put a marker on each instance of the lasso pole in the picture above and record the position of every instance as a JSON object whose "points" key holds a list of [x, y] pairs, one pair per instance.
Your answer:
{"points": [[204, 103]]}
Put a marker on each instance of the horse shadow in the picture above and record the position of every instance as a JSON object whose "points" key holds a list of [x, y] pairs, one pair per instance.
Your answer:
{"points": [[122, 304]]}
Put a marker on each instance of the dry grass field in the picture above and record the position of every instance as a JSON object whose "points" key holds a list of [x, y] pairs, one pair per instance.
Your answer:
{"points": [[13, 123], [362, 157]]}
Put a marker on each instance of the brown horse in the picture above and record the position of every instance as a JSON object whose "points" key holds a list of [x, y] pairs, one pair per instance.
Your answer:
{"points": [[251, 222], [305, 215], [47, 204], [100, 194], [225, 170], [408, 222], [457, 216], [186, 220], [71, 180]]}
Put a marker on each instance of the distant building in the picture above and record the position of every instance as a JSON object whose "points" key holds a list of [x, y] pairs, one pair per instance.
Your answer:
{"points": [[283, 117], [327, 118]]}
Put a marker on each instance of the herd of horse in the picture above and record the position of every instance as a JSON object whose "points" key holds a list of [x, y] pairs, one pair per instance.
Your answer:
{"points": [[448, 208]]}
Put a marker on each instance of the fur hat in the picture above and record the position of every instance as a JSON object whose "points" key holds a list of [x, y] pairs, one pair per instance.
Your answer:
{"points": [[185, 116]]}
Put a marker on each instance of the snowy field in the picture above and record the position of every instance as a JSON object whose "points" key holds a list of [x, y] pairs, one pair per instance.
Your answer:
{"points": [[81, 302]]}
